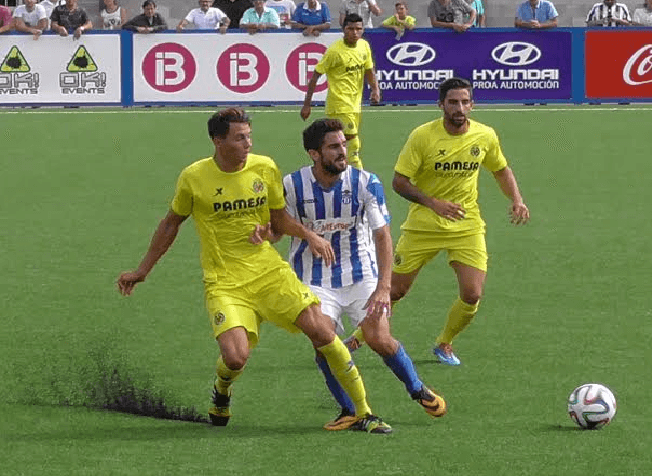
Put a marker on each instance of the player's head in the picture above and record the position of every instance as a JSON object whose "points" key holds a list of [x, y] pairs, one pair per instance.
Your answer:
{"points": [[230, 131], [353, 28], [204, 5], [325, 143], [456, 100]]}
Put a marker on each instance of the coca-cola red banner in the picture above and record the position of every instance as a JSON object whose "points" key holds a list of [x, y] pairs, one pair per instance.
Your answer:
{"points": [[618, 64]]}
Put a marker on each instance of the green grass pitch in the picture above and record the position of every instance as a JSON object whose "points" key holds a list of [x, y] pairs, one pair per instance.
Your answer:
{"points": [[567, 301]]}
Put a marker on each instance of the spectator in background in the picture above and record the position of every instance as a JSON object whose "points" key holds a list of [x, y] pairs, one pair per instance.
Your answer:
{"points": [[312, 17], [30, 18], [6, 23], [536, 15], [234, 9], [113, 16], [364, 8], [454, 14], [285, 9], [643, 16], [69, 18], [49, 6], [608, 13], [480, 17], [260, 18], [400, 21], [148, 22], [205, 18]]}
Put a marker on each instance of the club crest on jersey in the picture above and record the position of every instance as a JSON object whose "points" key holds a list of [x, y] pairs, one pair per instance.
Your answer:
{"points": [[258, 185], [219, 318], [347, 197], [397, 259], [475, 151]]}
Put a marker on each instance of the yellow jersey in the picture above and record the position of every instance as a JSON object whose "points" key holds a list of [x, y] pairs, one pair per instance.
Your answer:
{"points": [[344, 67], [226, 207], [446, 167]]}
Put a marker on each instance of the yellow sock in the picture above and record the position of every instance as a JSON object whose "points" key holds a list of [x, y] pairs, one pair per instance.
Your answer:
{"points": [[346, 373], [353, 152], [459, 317], [357, 333], [225, 377]]}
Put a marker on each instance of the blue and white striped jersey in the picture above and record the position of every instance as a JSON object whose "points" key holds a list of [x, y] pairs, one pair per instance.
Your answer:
{"points": [[345, 215]]}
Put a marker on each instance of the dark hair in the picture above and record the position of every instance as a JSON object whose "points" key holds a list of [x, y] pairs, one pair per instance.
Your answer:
{"points": [[454, 83], [401, 2], [313, 135], [149, 2], [218, 124], [351, 18]]}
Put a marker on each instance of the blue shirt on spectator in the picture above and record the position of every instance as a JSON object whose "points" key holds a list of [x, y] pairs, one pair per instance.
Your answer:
{"points": [[542, 12], [304, 15]]}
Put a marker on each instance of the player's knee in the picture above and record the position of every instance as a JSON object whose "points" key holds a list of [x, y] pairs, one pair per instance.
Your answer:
{"points": [[471, 296], [383, 344], [236, 360]]}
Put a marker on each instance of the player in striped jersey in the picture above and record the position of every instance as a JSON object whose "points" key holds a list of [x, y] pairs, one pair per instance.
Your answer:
{"points": [[347, 207]]}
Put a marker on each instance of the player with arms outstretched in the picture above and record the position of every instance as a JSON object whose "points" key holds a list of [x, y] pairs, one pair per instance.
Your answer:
{"points": [[235, 197]]}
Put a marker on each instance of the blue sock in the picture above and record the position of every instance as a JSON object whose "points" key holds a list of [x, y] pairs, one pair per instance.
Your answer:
{"points": [[334, 386], [403, 367]]}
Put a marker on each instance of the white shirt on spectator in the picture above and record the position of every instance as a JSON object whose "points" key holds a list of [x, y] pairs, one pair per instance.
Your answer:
{"points": [[362, 9], [607, 13], [285, 10], [206, 21], [30, 18], [642, 16]]}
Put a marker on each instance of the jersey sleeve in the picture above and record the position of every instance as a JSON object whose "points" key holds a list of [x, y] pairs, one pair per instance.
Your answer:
{"points": [[325, 63], [494, 160], [182, 201], [290, 197], [276, 200], [409, 159], [376, 204]]}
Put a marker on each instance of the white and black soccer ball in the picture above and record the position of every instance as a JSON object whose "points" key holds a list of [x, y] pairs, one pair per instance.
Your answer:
{"points": [[592, 406]]}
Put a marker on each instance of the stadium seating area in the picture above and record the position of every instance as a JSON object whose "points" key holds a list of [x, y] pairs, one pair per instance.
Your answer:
{"points": [[500, 13]]}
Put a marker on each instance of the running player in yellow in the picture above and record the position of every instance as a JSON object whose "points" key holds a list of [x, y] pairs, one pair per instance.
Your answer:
{"points": [[346, 64], [235, 198], [437, 171]]}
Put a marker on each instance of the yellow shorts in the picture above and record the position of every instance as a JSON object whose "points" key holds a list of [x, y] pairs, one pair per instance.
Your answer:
{"points": [[351, 122], [278, 297], [414, 249]]}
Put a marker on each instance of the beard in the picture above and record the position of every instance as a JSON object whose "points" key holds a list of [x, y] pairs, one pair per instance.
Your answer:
{"points": [[334, 168]]}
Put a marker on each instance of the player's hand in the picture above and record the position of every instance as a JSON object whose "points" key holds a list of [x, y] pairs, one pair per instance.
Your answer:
{"points": [[305, 112], [127, 281], [261, 234], [321, 248], [519, 213], [374, 97], [449, 210], [379, 304]]}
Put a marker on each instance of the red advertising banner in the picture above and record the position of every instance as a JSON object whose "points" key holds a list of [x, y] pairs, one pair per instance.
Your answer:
{"points": [[618, 64]]}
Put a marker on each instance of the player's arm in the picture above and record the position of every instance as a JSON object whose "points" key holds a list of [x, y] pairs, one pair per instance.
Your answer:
{"points": [[449, 210], [380, 302], [307, 100], [284, 224], [164, 236], [519, 213], [372, 81]]}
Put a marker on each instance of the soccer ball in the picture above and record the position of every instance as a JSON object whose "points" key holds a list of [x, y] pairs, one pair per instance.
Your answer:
{"points": [[591, 406]]}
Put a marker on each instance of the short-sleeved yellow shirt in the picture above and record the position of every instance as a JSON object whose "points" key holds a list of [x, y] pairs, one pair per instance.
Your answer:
{"points": [[392, 21], [446, 167], [344, 67], [226, 207]]}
